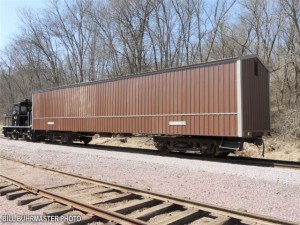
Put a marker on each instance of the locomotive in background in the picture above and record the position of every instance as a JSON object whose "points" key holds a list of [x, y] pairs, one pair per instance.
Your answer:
{"points": [[18, 124], [209, 108]]}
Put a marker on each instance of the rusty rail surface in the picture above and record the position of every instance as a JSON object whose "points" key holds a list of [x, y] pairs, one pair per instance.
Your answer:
{"points": [[192, 208]]}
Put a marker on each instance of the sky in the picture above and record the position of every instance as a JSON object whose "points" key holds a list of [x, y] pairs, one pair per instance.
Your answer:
{"points": [[9, 21]]}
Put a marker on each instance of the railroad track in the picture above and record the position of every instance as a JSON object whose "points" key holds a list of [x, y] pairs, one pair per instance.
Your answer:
{"points": [[263, 162], [229, 159], [96, 200]]}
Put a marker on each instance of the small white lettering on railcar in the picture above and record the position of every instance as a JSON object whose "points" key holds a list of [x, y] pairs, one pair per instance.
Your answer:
{"points": [[50, 123], [177, 123]]}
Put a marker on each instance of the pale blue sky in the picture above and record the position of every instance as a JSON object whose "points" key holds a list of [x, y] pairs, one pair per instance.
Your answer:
{"points": [[9, 20]]}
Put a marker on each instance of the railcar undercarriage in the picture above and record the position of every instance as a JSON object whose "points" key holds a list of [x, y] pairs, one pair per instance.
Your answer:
{"points": [[206, 146]]}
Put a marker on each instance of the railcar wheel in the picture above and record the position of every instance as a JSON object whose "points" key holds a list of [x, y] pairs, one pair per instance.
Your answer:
{"points": [[66, 140], [87, 141], [161, 146], [211, 151], [15, 136]]}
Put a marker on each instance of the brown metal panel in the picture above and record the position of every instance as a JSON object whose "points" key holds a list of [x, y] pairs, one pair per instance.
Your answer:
{"points": [[184, 92], [145, 93], [70, 103], [145, 104], [188, 97], [163, 88], [171, 93], [176, 92], [232, 98], [164, 124], [235, 88], [91, 92], [202, 90], [125, 105], [105, 92], [121, 104], [148, 98], [184, 97], [210, 89], [120, 99], [138, 101], [116, 106], [135, 104], [167, 97], [255, 102], [116, 100], [108, 100], [227, 89], [233, 123], [210, 100], [206, 103], [131, 105], [101, 102], [111, 102], [196, 92], [215, 98], [50, 106], [75, 103], [189, 100], [206, 88], [221, 107], [141, 97], [162, 94], [94, 95]]}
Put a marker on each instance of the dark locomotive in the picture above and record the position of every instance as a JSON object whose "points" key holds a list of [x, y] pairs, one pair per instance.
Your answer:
{"points": [[18, 123]]}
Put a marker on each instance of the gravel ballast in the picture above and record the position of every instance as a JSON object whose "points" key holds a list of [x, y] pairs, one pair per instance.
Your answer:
{"points": [[269, 191]]}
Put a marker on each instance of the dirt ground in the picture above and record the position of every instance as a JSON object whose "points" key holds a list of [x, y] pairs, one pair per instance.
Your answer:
{"points": [[275, 147]]}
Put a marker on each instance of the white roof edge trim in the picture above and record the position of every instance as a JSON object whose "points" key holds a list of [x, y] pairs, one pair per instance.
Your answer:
{"points": [[254, 56]]}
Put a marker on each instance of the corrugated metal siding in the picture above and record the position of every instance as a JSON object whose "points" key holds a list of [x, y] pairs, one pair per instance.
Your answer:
{"points": [[146, 104], [255, 97]]}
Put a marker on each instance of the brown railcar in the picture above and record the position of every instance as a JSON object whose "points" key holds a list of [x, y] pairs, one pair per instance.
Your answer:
{"points": [[221, 103]]}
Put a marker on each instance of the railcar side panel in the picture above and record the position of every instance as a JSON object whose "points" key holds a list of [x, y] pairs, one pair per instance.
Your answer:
{"points": [[191, 101], [255, 97]]}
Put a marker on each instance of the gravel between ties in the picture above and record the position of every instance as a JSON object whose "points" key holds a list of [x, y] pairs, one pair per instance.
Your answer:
{"points": [[267, 191]]}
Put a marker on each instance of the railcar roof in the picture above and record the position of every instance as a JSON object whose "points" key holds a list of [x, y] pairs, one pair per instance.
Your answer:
{"points": [[203, 64]]}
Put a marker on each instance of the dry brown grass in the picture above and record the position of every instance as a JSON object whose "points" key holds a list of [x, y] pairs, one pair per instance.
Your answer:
{"points": [[275, 148], [134, 142]]}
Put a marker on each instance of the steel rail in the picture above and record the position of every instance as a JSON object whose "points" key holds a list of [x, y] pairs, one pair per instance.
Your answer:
{"points": [[264, 162], [175, 200]]}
